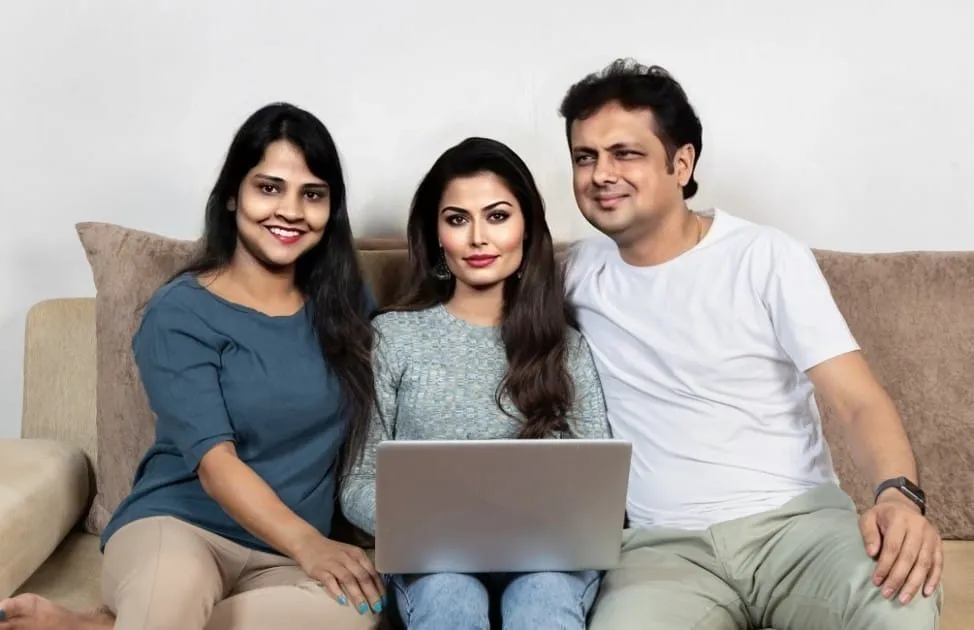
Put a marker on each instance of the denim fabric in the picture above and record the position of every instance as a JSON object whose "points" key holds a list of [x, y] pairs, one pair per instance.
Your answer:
{"points": [[528, 601]]}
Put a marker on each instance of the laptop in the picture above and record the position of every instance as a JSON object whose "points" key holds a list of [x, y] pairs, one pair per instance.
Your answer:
{"points": [[485, 506]]}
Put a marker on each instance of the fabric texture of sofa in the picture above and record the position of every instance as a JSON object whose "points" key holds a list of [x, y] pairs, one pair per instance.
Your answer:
{"points": [[86, 422]]}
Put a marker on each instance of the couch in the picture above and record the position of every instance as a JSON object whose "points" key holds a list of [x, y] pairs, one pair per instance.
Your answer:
{"points": [[913, 313]]}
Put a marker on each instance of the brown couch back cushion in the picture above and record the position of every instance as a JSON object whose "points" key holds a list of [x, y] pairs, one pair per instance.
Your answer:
{"points": [[913, 314], [127, 266]]}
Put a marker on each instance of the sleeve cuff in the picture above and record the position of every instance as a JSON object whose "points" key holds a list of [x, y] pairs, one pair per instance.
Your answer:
{"points": [[825, 353], [194, 454]]}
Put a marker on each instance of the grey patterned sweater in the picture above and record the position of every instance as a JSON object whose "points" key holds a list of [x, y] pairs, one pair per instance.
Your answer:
{"points": [[436, 376]]}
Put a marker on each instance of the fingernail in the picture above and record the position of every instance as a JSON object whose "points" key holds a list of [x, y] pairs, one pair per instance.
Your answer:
{"points": [[904, 598], [363, 608], [342, 600], [377, 607], [385, 600], [3, 615], [887, 592]]}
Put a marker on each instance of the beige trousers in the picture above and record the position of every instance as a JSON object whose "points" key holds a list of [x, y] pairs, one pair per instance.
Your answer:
{"points": [[162, 573], [801, 567]]}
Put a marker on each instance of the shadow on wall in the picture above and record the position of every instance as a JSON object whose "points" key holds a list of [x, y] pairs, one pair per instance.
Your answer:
{"points": [[11, 370]]}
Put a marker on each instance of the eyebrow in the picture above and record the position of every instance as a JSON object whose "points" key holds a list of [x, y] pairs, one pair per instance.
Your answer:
{"points": [[281, 180], [490, 206], [613, 147]]}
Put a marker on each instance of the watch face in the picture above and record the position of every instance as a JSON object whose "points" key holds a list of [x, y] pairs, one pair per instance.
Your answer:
{"points": [[914, 489]]}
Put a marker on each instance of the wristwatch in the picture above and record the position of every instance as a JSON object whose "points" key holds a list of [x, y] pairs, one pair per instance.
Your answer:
{"points": [[908, 488]]}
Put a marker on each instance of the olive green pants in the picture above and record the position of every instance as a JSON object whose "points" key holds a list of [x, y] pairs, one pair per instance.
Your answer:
{"points": [[800, 567]]}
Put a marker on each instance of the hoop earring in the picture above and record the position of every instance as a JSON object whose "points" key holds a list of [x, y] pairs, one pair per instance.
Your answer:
{"points": [[441, 271]]}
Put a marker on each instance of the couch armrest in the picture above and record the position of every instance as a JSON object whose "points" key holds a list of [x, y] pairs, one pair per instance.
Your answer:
{"points": [[44, 492]]}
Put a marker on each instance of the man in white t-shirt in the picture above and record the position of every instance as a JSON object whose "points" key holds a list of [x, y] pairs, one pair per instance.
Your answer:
{"points": [[710, 334]]}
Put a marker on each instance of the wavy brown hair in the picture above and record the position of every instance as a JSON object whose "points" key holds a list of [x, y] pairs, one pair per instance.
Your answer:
{"points": [[536, 315]]}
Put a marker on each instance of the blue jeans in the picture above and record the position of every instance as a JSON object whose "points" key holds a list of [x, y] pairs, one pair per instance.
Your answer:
{"points": [[528, 601]]}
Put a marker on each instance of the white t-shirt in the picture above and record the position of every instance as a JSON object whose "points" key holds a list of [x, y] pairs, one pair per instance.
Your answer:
{"points": [[702, 360]]}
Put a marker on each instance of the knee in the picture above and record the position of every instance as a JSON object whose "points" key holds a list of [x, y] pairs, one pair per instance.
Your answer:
{"points": [[531, 585], [561, 599], [444, 585], [455, 599], [158, 572], [165, 600], [288, 606], [922, 613]]}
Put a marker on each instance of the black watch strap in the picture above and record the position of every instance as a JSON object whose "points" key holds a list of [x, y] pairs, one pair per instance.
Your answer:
{"points": [[906, 487]]}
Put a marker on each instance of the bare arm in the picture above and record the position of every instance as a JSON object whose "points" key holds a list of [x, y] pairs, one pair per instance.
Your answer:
{"points": [[812, 330], [252, 503], [256, 507], [869, 418], [907, 548]]}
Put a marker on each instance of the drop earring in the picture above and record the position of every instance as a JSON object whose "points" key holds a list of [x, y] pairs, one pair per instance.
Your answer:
{"points": [[441, 271]]}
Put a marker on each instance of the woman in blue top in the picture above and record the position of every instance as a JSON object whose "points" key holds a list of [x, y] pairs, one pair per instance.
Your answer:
{"points": [[256, 362]]}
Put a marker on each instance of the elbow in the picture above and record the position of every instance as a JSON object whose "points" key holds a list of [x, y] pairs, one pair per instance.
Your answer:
{"points": [[213, 465], [855, 410], [348, 499], [343, 501], [357, 506]]}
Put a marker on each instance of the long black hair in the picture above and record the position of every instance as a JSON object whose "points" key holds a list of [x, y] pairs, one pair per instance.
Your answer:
{"points": [[328, 274], [536, 315]]}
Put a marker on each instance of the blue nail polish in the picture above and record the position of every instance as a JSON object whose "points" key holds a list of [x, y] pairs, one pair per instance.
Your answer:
{"points": [[385, 601], [342, 600], [363, 608], [3, 615], [377, 607]]}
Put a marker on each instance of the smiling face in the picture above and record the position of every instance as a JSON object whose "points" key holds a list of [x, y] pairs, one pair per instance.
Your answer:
{"points": [[281, 208], [480, 227], [623, 180]]}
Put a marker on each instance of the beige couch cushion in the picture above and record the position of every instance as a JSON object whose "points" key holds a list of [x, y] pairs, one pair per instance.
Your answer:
{"points": [[913, 315], [71, 577], [43, 494]]}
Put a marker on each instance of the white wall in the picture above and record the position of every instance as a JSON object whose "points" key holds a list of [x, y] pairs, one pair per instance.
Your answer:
{"points": [[846, 123]]}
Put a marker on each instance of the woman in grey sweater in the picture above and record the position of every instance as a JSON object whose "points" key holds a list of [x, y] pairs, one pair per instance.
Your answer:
{"points": [[482, 346]]}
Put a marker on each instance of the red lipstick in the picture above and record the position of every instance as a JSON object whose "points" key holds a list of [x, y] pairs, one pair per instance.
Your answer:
{"points": [[480, 260]]}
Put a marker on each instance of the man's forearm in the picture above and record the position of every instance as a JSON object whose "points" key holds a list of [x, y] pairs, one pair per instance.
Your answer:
{"points": [[879, 443], [870, 423]]}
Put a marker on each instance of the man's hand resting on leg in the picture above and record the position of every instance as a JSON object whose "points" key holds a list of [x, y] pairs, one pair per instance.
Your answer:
{"points": [[907, 547]]}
